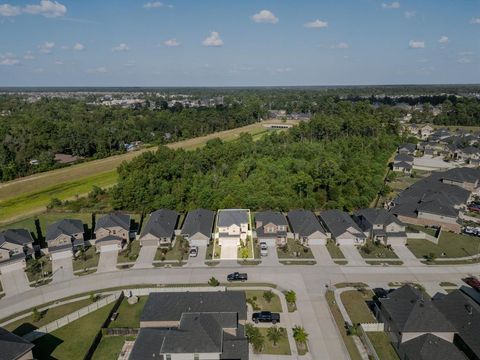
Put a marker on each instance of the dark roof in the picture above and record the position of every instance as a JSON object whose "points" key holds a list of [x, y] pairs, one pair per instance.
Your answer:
{"points": [[108, 238], [403, 158], [171, 306], [304, 222], [430, 347], [16, 236], [463, 174], [412, 311], [403, 164], [437, 207], [161, 223], [199, 221], [274, 217], [113, 220], [66, 226], [12, 346], [338, 222], [408, 146], [470, 150], [376, 217], [148, 344], [229, 217], [464, 314]]}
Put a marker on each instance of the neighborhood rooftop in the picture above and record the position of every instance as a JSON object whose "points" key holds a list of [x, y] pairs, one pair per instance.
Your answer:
{"points": [[65, 226], [113, 220], [161, 223]]}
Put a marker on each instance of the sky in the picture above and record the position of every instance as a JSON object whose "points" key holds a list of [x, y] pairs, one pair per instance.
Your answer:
{"points": [[238, 42]]}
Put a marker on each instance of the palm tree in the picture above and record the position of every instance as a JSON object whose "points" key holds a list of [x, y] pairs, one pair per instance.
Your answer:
{"points": [[255, 337], [274, 334], [300, 335], [291, 297]]}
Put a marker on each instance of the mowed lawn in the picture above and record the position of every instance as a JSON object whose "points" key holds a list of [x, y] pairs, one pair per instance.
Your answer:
{"points": [[450, 244], [73, 340], [30, 195], [46, 219], [109, 348], [129, 315], [355, 303]]}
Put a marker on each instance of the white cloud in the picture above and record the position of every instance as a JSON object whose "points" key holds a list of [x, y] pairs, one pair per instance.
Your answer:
{"points": [[475, 21], [9, 10], [9, 59], [393, 5], [410, 14], [444, 40], [284, 70], [153, 5], [47, 47], [171, 43], [78, 47], [317, 24], [58, 62], [98, 70], [341, 45], [265, 16], [121, 47], [416, 44], [28, 56], [213, 40], [47, 8], [465, 60]]}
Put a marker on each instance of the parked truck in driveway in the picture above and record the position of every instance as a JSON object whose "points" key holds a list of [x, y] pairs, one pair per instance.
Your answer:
{"points": [[236, 276], [265, 316]]}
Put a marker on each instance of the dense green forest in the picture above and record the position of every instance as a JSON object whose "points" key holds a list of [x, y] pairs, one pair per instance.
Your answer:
{"points": [[40, 129], [337, 160]]}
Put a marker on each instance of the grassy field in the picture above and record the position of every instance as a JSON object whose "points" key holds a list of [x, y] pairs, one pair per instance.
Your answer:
{"points": [[26, 325], [282, 347], [274, 305], [30, 195], [48, 218], [109, 348], [450, 244], [356, 306], [129, 315], [73, 340], [382, 345]]}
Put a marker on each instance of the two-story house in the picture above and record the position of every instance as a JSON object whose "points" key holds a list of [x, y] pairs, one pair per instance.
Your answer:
{"points": [[271, 227], [380, 225], [64, 236], [160, 228], [232, 226], [306, 227], [15, 245], [342, 228], [198, 227], [112, 232]]}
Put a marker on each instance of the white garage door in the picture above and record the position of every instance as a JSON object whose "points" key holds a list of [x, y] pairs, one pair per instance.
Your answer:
{"points": [[62, 255], [107, 248], [19, 265]]}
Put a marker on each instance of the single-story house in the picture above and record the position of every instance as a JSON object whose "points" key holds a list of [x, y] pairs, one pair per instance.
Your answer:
{"points": [[306, 227], [160, 228], [232, 226], [64, 236], [112, 232], [15, 246], [380, 225], [271, 227], [198, 227], [342, 228]]}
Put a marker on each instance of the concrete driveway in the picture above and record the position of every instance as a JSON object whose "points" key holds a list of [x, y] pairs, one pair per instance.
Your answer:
{"points": [[322, 255], [62, 269], [107, 261], [352, 255], [404, 253], [229, 252], [199, 260], [14, 282], [145, 257], [272, 258]]}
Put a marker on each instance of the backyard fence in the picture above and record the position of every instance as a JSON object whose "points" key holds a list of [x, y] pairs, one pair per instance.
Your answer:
{"points": [[146, 291], [368, 344], [372, 327], [54, 325], [423, 236], [121, 332]]}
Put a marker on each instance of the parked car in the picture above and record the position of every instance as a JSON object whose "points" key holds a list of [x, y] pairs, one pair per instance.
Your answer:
{"points": [[265, 316], [263, 249], [236, 276], [194, 251], [473, 282]]}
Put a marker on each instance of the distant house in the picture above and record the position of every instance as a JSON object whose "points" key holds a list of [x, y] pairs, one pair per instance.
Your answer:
{"points": [[112, 232], [306, 227], [63, 236], [466, 178], [426, 131], [232, 226], [467, 154], [380, 225], [403, 163], [14, 347], [15, 246], [407, 149], [66, 158], [198, 227], [160, 228], [342, 228], [271, 227]]}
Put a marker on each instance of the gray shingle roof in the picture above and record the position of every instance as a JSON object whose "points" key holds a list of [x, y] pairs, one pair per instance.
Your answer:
{"points": [[338, 222], [408, 146], [403, 158], [161, 223], [16, 236], [12, 346], [463, 174], [66, 226], [232, 216], [199, 221], [403, 164], [113, 220], [304, 222], [430, 347], [273, 217], [376, 217]]}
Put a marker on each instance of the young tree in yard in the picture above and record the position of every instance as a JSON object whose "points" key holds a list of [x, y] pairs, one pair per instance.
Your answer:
{"points": [[255, 337], [300, 335], [213, 282], [36, 315], [274, 334], [291, 297], [268, 296]]}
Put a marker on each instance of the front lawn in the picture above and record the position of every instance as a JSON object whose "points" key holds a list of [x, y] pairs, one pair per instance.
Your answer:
{"points": [[130, 253], [248, 251], [73, 340], [356, 306], [178, 252], [256, 296], [376, 251], [293, 249], [86, 259], [129, 315], [109, 348], [282, 347], [36, 266], [334, 250], [382, 345], [450, 245], [26, 325]]}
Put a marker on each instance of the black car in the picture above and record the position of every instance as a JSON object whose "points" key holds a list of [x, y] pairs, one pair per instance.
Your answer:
{"points": [[265, 316], [236, 276]]}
